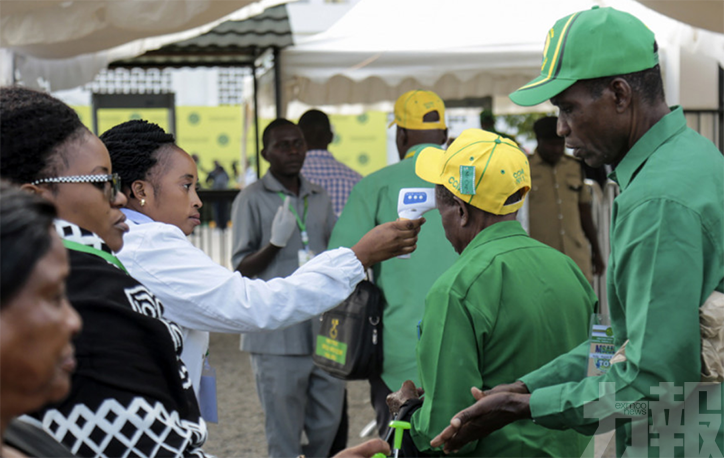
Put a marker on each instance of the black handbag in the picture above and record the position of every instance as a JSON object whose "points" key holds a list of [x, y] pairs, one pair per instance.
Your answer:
{"points": [[348, 344]]}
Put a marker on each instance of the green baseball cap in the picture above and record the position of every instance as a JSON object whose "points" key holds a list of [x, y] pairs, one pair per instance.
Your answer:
{"points": [[589, 44]]}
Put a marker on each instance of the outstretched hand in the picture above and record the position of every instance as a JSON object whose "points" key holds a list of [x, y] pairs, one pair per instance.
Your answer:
{"points": [[388, 240], [365, 449], [489, 413]]}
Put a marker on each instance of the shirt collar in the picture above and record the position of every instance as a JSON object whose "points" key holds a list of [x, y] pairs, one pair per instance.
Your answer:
{"points": [[77, 234], [136, 217], [668, 126], [306, 187], [497, 231], [415, 150], [319, 153]]}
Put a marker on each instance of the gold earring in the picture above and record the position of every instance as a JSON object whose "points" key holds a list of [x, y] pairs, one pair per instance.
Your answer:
{"points": [[143, 202]]}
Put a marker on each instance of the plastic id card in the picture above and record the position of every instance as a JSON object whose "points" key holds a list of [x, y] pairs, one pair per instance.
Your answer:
{"points": [[304, 256], [602, 347], [207, 394]]}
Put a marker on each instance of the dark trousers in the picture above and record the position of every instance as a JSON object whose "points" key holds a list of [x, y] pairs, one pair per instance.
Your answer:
{"points": [[340, 439], [378, 399]]}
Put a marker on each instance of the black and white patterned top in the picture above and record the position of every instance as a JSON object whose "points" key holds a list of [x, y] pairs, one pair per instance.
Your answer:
{"points": [[131, 394]]}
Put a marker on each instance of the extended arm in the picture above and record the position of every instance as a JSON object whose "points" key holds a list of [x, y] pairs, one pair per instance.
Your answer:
{"points": [[199, 294]]}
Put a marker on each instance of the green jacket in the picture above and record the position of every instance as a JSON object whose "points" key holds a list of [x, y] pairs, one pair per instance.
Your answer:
{"points": [[404, 282], [509, 305]]}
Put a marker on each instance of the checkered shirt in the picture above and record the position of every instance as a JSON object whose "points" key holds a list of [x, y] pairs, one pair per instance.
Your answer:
{"points": [[321, 168]]}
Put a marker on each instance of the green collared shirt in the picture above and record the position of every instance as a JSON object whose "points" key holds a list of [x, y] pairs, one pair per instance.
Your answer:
{"points": [[667, 257], [507, 306], [404, 282]]}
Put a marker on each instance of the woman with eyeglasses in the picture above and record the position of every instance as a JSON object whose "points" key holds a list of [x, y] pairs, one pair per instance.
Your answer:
{"points": [[131, 394], [37, 322], [159, 181]]}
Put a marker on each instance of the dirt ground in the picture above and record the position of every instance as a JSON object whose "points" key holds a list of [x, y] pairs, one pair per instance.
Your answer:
{"points": [[240, 431]]}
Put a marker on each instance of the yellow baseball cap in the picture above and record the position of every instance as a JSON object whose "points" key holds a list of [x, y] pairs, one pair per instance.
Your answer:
{"points": [[481, 168], [411, 107]]}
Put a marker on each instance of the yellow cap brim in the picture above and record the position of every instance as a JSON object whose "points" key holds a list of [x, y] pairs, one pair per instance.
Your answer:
{"points": [[394, 121], [429, 165]]}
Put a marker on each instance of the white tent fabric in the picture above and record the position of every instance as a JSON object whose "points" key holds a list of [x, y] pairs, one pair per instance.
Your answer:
{"points": [[458, 48], [58, 28], [66, 43]]}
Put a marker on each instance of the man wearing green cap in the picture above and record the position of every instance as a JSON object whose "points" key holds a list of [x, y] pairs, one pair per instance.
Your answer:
{"points": [[508, 305], [420, 122], [600, 67]]}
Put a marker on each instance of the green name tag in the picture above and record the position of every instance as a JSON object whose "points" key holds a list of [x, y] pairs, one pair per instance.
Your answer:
{"points": [[601, 351], [331, 349], [467, 179]]}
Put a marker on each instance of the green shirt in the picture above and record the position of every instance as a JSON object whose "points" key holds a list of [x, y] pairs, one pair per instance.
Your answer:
{"points": [[508, 305], [404, 282], [667, 257]]}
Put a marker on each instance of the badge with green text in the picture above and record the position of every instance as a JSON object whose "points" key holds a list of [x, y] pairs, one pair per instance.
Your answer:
{"points": [[602, 347]]}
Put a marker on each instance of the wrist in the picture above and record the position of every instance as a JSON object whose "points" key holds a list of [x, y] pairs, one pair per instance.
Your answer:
{"points": [[518, 405], [361, 256]]}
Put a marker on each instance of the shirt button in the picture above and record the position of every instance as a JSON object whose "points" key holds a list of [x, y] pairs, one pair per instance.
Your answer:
{"points": [[560, 201], [556, 186], [560, 216], [563, 232]]}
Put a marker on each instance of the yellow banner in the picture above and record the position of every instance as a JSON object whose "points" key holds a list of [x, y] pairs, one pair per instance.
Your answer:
{"points": [[215, 134]]}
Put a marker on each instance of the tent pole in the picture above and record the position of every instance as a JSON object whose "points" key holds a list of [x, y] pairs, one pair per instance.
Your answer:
{"points": [[278, 82], [721, 109], [256, 116]]}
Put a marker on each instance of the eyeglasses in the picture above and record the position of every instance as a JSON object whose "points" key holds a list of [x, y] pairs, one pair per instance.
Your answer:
{"points": [[99, 181]]}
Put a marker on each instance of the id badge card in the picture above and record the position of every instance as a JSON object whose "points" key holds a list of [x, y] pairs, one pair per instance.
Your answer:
{"points": [[207, 394], [601, 344], [304, 256]]}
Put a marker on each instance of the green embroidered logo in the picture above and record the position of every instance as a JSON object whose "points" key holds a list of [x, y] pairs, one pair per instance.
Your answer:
{"points": [[519, 176]]}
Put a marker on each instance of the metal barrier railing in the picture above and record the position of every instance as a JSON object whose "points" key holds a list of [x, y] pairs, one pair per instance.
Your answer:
{"points": [[213, 237], [709, 123]]}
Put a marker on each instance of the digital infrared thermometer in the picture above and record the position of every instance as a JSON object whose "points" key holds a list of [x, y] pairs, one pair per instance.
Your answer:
{"points": [[412, 203]]}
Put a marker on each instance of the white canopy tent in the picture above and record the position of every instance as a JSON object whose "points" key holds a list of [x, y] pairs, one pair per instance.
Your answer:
{"points": [[458, 48], [66, 43]]}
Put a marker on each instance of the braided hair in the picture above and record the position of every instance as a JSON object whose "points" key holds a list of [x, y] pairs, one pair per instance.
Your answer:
{"points": [[135, 148], [24, 236], [35, 129]]}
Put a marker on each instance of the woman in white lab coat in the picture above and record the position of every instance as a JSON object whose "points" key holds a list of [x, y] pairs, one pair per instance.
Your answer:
{"points": [[159, 179]]}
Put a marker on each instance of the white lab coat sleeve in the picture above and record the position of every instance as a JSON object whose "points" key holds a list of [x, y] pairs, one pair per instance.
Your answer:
{"points": [[199, 294]]}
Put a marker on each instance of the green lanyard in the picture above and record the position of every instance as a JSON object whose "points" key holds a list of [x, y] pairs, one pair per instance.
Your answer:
{"points": [[302, 223], [75, 246]]}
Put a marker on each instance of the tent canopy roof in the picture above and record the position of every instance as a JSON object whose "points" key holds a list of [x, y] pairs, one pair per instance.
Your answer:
{"points": [[231, 43], [60, 29]]}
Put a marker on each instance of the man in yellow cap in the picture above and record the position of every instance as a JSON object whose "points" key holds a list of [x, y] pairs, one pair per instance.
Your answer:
{"points": [[601, 68], [508, 305], [420, 121]]}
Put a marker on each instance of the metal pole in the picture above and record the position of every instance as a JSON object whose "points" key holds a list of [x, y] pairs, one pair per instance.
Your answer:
{"points": [[172, 114], [278, 81], [721, 109], [94, 114], [256, 117]]}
